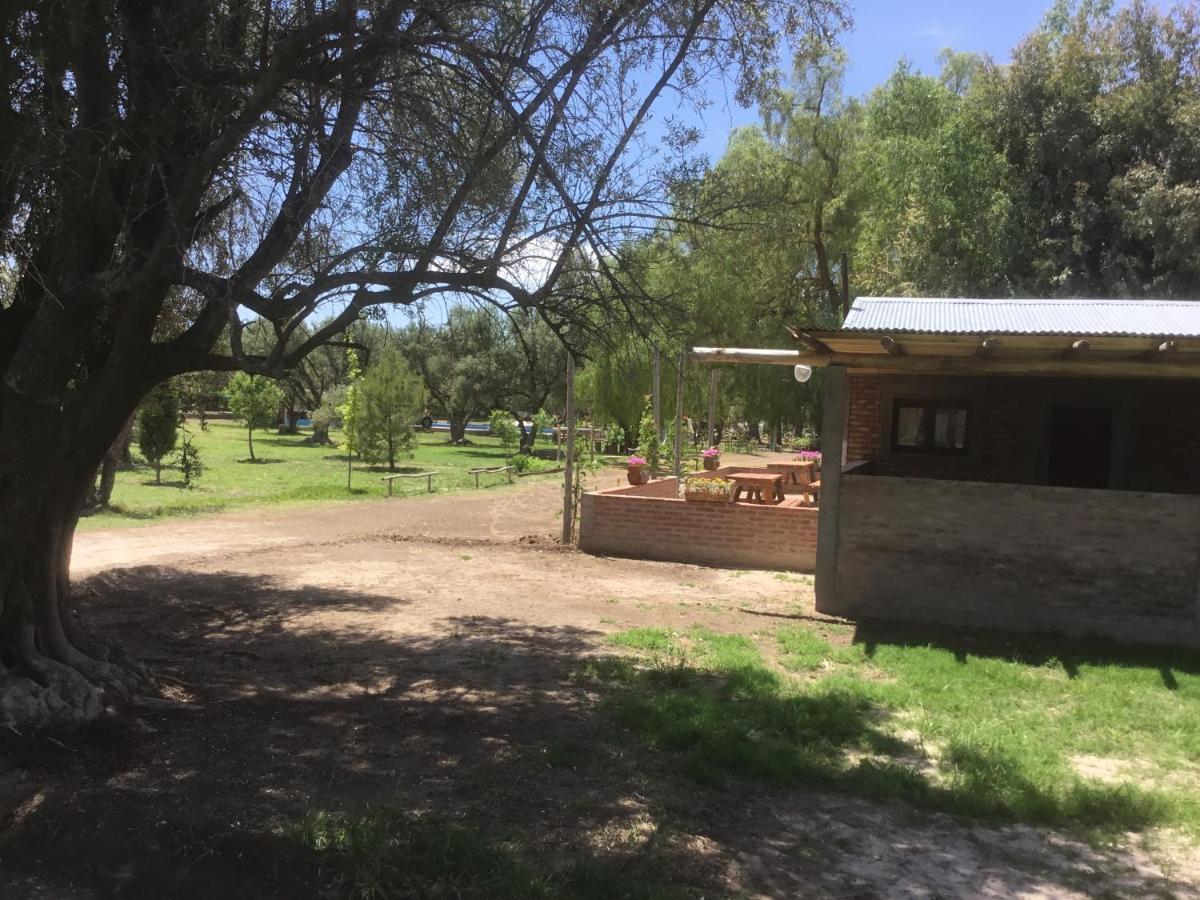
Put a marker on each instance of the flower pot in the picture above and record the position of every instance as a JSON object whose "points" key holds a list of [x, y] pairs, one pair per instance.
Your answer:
{"points": [[638, 474], [712, 462]]}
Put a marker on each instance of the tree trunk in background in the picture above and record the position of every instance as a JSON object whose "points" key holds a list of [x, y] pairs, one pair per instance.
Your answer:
{"points": [[458, 430], [113, 461]]}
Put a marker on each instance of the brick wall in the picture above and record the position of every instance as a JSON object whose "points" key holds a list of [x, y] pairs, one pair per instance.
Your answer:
{"points": [[1023, 557], [1165, 428], [863, 420], [743, 535]]}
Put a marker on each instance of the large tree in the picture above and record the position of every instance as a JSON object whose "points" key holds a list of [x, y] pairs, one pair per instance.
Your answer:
{"points": [[170, 170]]}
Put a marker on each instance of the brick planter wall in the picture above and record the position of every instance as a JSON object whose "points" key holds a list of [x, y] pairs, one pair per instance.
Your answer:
{"points": [[1018, 557], [648, 522]]}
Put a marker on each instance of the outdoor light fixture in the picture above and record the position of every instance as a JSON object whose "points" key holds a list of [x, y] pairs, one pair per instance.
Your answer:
{"points": [[802, 373]]}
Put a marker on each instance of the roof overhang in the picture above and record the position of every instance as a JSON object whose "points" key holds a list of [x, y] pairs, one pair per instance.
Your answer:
{"points": [[1002, 354]]}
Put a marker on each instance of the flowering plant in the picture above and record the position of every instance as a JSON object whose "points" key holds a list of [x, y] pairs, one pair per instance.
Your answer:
{"points": [[711, 453], [809, 456], [635, 461]]}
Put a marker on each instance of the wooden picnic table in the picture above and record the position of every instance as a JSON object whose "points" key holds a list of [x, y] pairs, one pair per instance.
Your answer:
{"points": [[795, 471], [754, 483]]}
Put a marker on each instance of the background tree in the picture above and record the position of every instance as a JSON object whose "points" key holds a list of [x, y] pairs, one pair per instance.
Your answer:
{"points": [[505, 429], [158, 426], [463, 362], [350, 413], [392, 399], [255, 400], [171, 170]]}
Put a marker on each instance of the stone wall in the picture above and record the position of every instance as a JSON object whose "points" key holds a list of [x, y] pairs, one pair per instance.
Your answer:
{"points": [[1124, 564], [648, 522]]}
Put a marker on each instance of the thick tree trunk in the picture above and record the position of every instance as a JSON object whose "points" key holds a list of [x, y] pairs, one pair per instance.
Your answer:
{"points": [[51, 671], [458, 430]]}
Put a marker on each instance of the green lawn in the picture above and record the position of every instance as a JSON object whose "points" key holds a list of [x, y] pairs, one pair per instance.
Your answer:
{"points": [[1090, 738], [288, 470]]}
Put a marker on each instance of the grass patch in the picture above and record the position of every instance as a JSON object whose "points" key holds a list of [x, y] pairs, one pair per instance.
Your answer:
{"points": [[988, 736], [647, 639], [385, 854], [290, 470]]}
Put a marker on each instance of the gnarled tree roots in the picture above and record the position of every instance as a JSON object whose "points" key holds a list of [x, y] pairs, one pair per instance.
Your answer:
{"points": [[51, 672]]}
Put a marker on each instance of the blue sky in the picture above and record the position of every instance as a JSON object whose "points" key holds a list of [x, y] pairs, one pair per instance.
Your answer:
{"points": [[884, 32]]}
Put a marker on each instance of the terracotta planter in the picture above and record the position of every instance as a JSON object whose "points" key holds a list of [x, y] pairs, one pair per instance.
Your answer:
{"points": [[638, 474], [712, 462]]}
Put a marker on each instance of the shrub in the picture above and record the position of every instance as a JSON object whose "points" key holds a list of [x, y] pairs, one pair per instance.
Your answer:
{"points": [[158, 426]]}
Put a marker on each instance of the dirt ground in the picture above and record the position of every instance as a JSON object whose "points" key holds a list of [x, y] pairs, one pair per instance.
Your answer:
{"points": [[417, 653]]}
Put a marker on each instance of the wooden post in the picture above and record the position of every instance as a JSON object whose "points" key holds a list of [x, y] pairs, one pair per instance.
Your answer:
{"points": [[568, 528], [656, 391], [679, 418], [833, 443], [845, 285], [712, 404]]}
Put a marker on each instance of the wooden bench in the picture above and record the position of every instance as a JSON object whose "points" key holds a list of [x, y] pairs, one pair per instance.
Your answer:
{"points": [[428, 476], [492, 470]]}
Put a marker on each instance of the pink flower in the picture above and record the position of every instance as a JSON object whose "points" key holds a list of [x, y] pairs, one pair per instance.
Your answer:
{"points": [[809, 455], [635, 461], [712, 453]]}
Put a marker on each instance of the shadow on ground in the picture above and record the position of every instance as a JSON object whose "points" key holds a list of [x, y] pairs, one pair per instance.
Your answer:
{"points": [[291, 713]]}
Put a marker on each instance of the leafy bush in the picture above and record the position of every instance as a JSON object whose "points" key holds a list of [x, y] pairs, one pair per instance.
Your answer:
{"points": [[505, 429]]}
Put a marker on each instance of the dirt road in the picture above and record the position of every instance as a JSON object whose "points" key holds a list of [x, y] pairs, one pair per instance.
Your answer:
{"points": [[419, 654]]}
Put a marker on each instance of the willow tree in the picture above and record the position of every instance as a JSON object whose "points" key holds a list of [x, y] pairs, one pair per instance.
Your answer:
{"points": [[171, 171]]}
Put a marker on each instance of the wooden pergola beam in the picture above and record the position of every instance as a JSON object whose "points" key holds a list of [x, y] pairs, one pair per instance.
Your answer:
{"points": [[747, 355], [1169, 367]]}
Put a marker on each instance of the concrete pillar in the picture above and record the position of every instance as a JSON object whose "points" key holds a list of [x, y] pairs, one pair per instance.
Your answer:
{"points": [[833, 457]]}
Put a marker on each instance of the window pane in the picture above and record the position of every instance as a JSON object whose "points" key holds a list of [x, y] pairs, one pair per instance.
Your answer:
{"points": [[911, 430], [950, 428]]}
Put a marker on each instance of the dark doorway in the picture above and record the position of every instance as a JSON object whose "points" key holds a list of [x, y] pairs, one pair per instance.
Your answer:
{"points": [[1080, 446]]}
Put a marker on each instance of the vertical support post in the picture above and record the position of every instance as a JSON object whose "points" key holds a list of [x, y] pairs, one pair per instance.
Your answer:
{"points": [[679, 417], [568, 529], [712, 404], [833, 434], [845, 285], [656, 391]]}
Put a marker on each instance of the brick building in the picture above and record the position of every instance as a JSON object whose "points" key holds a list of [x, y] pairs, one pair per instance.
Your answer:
{"points": [[1030, 465]]}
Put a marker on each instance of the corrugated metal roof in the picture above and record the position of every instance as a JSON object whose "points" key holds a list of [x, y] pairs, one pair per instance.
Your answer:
{"points": [[931, 315]]}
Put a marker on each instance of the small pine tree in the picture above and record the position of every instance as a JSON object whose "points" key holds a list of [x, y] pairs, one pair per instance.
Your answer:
{"points": [[188, 460], [255, 400], [391, 397], [158, 426]]}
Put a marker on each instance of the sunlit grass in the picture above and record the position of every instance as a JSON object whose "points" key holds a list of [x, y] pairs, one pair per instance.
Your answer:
{"points": [[983, 735], [289, 470]]}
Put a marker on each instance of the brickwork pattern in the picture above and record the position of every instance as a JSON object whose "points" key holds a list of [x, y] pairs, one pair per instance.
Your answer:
{"points": [[658, 526], [863, 419], [1021, 557]]}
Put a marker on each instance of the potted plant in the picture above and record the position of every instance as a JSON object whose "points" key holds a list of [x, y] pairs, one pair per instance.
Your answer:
{"points": [[637, 470], [812, 456], [708, 489], [711, 458]]}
